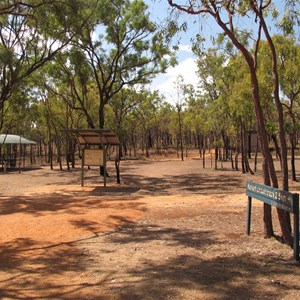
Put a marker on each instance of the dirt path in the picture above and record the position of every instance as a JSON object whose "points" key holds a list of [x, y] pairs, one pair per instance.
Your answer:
{"points": [[170, 230]]}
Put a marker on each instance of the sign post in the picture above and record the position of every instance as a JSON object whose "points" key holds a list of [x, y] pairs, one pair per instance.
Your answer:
{"points": [[278, 198], [249, 206]]}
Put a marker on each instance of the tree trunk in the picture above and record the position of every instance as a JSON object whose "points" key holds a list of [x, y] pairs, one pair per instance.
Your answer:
{"points": [[231, 159], [249, 145], [268, 225], [277, 148], [242, 146], [180, 133], [117, 164], [147, 144], [245, 149], [200, 142], [293, 147], [50, 155], [236, 156], [68, 153], [256, 153], [59, 154], [216, 157], [101, 114]]}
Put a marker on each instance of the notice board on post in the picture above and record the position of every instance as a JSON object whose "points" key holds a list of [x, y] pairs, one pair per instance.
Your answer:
{"points": [[93, 157], [94, 144]]}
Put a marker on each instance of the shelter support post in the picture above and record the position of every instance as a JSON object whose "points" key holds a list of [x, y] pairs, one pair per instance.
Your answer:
{"points": [[82, 169], [104, 166]]}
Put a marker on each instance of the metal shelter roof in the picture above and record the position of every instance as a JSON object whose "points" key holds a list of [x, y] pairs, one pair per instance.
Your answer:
{"points": [[14, 139], [95, 136]]}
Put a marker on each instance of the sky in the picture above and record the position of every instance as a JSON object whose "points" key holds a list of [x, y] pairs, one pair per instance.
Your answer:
{"points": [[186, 66]]}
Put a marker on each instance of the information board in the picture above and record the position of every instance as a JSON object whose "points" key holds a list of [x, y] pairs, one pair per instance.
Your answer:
{"points": [[93, 157], [278, 198]]}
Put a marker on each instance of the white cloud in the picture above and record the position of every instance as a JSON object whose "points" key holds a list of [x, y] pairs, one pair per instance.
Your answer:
{"points": [[165, 83], [186, 48]]}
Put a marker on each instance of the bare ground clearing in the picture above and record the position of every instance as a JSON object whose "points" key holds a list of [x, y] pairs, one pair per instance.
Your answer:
{"points": [[171, 230]]}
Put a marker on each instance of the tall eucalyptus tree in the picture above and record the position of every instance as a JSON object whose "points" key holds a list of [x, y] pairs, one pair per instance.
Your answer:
{"points": [[226, 15]]}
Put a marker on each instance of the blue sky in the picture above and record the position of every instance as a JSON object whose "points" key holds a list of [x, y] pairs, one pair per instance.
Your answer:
{"points": [[186, 65]]}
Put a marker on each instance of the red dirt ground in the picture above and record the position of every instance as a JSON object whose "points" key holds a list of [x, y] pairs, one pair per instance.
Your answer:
{"points": [[171, 230]]}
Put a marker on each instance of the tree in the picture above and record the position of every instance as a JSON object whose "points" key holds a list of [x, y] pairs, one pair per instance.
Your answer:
{"points": [[215, 83], [196, 118], [244, 120], [289, 58], [69, 76], [16, 7], [122, 105], [124, 48], [224, 15], [180, 88], [146, 112], [31, 34]]}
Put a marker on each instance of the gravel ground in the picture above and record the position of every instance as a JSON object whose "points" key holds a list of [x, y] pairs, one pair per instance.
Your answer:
{"points": [[171, 230]]}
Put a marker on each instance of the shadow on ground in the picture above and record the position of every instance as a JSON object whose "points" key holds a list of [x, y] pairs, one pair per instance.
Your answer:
{"points": [[178, 276]]}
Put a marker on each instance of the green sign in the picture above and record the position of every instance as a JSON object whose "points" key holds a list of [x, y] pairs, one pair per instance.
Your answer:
{"points": [[278, 198], [272, 196]]}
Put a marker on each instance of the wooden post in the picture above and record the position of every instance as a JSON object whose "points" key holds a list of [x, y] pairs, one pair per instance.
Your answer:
{"points": [[104, 164], [82, 168]]}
